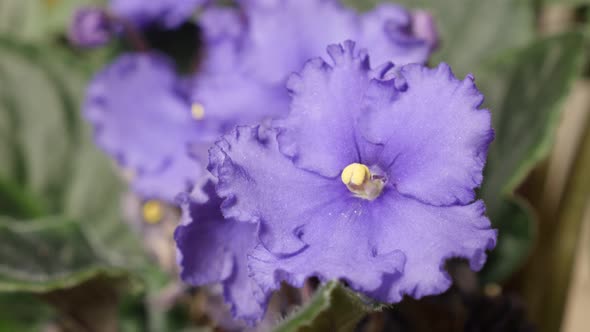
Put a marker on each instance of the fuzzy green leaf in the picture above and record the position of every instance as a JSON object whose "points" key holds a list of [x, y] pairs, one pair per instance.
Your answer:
{"points": [[333, 308], [60, 198]]}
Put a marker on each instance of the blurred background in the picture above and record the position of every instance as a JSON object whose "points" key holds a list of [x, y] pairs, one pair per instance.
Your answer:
{"points": [[76, 254]]}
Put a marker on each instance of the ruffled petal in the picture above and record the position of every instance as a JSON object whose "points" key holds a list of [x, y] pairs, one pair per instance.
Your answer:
{"points": [[223, 33], [387, 31], [428, 236], [176, 176], [402, 252], [233, 99], [327, 102], [309, 225], [250, 170], [141, 118], [435, 137], [212, 249], [283, 34]]}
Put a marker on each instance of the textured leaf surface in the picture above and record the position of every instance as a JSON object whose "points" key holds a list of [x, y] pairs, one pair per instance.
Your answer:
{"points": [[61, 199], [333, 308]]}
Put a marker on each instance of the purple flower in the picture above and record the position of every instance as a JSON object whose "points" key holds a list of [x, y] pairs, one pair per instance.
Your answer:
{"points": [[250, 54], [168, 13], [368, 180], [90, 28], [141, 116], [212, 249]]}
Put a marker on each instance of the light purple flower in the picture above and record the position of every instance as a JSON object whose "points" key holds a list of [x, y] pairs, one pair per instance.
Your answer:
{"points": [[367, 180], [90, 27], [168, 13], [250, 54], [212, 249], [141, 116]]}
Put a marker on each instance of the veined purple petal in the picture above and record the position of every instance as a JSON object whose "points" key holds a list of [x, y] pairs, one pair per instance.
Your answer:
{"points": [[250, 54], [212, 249], [310, 225], [327, 102], [435, 137], [142, 118]]}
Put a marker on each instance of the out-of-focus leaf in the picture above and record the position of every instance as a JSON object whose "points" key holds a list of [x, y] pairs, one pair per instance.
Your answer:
{"points": [[42, 255], [38, 20], [515, 220], [61, 196], [525, 91], [333, 308], [472, 31], [23, 313]]}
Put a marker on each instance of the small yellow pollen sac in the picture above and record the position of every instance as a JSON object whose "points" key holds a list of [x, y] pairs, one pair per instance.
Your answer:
{"points": [[355, 174], [153, 212], [198, 111]]}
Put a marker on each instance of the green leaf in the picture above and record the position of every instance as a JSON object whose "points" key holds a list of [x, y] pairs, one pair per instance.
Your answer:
{"points": [[38, 20], [472, 31], [515, 220], [41, 255], [333, 308], [23, 313], [525, 91], [60, 198]]}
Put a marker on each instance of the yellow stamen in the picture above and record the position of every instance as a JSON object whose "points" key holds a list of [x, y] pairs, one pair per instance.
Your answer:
{"points": [[355, 174], [153, 212], [198, 111], [359, 180]]}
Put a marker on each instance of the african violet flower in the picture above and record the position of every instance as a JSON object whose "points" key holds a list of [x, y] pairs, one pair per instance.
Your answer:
{"points": [[212, 249], [251, 53], [168, 13], [141, 116], [90, 27], [368, 179]]}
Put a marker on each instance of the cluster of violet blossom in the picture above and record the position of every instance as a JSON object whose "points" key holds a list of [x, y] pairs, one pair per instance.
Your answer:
{"points": [[320, 164]]}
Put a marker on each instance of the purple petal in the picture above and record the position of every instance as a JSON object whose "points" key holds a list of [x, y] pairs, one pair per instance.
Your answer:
{"points": [[283, 34], [387, 33], [250, 54], [90, 27], [424, 27], [310, 225], [428, 236], [327, 102], [142, 119], [435, 136], [249, 102], [248, 181], [213, 249], [169, 13]]}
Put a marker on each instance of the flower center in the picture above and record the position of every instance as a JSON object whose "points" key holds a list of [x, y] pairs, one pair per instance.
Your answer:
{"points": [[152, 212], [359, 180], [198, 111]]}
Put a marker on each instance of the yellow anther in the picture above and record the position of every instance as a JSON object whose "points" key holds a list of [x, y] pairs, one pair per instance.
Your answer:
{"points": [[153, 212], [355, 174], [359, 180], [198, 111]]}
